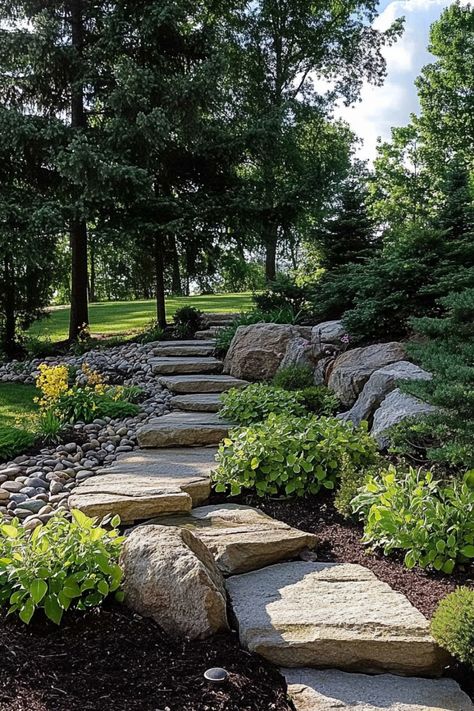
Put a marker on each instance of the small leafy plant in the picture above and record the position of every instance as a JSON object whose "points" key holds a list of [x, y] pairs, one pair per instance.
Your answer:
{"points": [[290, 455], [452, 625], [60, 565], [153, 332], [256, 402], [294, 377], [187, 321], [320, 400], [14, 441], [412, 512]]}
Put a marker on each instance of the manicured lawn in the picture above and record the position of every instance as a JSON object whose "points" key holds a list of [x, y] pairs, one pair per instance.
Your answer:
{"points": [[118, 317], [16, 404]]}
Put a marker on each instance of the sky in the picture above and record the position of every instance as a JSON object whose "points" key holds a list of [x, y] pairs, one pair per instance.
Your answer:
{"points": [[391, 105]]}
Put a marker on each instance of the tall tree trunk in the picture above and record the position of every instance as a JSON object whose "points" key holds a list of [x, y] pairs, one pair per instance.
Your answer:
{"points": [[9, 307], [176, 286], [270, 253], [159, 281], [92, 281], [79, 316]]}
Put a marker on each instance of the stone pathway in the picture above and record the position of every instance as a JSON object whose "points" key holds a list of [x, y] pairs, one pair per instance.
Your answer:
{"points": [[300, 614]]}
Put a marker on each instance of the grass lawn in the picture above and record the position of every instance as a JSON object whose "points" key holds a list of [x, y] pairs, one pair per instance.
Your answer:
{"points": [[16, 404], [119, 317]]}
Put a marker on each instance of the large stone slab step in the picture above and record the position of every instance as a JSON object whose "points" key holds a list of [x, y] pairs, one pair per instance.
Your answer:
{"points": [[145, 484], [200, 402], [184, 348], [183, 429], [185, 365], [184, 384], [312, 690], [207, 333], [305, 614], [242, 538]]}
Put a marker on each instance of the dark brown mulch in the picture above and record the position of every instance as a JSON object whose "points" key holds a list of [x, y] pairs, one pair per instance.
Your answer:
{"points": [[340, 541], [113, 660]]}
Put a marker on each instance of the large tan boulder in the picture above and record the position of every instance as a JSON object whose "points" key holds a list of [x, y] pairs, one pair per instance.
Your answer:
{"points": [[304, 614], [170, 575], [351, 370], [242, 538], [257, 351]]}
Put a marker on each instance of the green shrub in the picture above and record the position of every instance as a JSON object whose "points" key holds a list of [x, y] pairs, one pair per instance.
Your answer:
{"points": [[187, 321], [290, 455], [62, 564], [351, 481], [49, 426], [284, 293], [320, 400], [153, 332], [294, 377], [257, 401], [452, 625], [39, 348], [14, 441], [116, 409], [412, 512]]}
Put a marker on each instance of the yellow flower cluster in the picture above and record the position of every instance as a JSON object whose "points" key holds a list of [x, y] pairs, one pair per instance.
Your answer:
{"points": [[118, 393], [94, 379], [52, 383]]}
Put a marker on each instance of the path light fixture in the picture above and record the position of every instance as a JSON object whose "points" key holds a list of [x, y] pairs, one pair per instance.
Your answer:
{"points": [[216, 675]]}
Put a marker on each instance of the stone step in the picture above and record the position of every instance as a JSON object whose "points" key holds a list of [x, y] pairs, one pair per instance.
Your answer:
{"points": [[340, 615], [144, 484], [312, 690], [200, 402], [184, 384], [220, 323], [207, 333], [242, 538], [185, 366], [184, 348], [183, 429]]}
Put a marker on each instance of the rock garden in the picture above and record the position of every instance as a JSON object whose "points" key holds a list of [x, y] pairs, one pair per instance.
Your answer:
{"points": [[183, 512]]}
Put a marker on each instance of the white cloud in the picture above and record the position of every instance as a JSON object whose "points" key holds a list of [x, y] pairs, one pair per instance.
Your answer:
{"points": [[390, 105]]}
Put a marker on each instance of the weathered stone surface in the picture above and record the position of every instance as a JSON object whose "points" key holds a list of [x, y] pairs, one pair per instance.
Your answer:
{"points": [[242, 538], [298, 352], [208, 334], [184, 384], [331, 615], [185, 365], [184, 348], [201, 402], [380, 383], [183, 429], [319, 372], [170, 575], [312, 690], [145, 484], [257, 350], [327, 332], [352, 369], [395, 408]]}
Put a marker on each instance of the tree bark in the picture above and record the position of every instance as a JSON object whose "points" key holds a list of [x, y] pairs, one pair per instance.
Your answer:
{"points": [[176, 286], [92, 281], [159, 282], [9, 306], [270, 254], [79, 317]]}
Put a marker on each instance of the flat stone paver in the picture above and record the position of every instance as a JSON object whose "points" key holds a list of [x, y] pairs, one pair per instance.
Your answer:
{"points": [[184, 348], [199, 402], [312, 690], [184, 365], [184, 384], [183, 429], [332, 615], [242, 538], [145, 484]]}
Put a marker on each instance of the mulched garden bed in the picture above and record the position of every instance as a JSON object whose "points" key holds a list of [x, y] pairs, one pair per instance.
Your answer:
{"points": [[114, 660]]}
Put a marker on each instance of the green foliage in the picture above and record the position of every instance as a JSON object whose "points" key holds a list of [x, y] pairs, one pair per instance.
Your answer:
{"points": [[283, 294], [14, 441], [294, 377], [446, 350], [49, 426], [117, 409], [287, 455], [38, 348], [452, 625], [319, 400], [59, 566], [255, 402], [412, 512], [187, 321], [151, 333]]}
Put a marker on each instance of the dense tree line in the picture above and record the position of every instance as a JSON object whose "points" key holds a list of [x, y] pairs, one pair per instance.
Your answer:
{"points": [[146, 145]]}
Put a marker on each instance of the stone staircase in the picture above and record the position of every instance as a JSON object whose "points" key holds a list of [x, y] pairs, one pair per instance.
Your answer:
{"points": [[212, 323], [328, 626]]}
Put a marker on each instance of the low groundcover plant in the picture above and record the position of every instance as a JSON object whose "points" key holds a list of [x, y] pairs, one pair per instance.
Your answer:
{"points": [[62, 564]]}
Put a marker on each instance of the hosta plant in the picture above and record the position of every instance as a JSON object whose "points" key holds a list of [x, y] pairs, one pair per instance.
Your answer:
{"points": [[412, 512], [62, 564], [256, 402], [287, 455]]}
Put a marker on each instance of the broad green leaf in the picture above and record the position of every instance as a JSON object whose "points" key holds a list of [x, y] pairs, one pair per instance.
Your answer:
{"points": [[38, 590]]}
